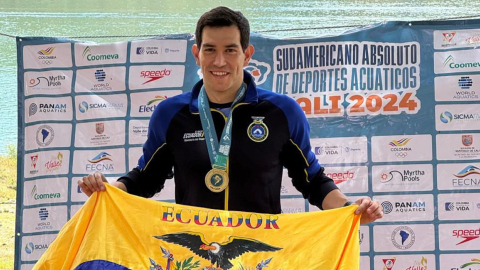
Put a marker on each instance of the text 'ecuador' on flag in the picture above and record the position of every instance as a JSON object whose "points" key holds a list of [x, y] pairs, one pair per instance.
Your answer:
{"points": [[118, 231]]}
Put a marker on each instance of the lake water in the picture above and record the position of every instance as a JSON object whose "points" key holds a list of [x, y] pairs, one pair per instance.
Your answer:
{"points": [[120, 17]]}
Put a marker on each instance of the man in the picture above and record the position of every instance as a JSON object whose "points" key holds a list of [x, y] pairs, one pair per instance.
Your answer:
{"points": [[228, 140]]}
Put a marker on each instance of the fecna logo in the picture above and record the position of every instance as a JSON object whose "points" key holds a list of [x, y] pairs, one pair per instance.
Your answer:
{"points": [[149, 107], [387, 207], [54, 163], [87, 53], [448, 36], [400, 148], [403, 237], [450, 62], [469, 170], [100, 75], [467, 235], [446, 117], [45, 135], [153, 75], [34, 194], [389, 263], [465, 82], [341, 176], [97, 163]]}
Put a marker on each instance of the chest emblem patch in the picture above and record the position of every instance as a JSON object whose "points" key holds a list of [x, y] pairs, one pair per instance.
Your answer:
{"points": [[257, 131]]}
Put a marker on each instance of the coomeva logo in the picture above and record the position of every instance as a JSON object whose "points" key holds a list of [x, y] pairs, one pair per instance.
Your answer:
{"points": [[450, 62], [34, 194], [87, 53]]}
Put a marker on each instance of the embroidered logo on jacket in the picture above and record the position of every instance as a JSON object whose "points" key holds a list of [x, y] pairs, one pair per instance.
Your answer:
{"points": [[257, 131]]}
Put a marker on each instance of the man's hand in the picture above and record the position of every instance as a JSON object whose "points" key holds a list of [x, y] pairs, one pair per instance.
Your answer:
{"points": [[91, 183], [370, 210]]}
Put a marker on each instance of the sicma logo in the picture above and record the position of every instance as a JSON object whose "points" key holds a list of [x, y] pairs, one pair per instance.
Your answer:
{"points": [[446, 117], [153, 75], [31, 247], [467, 235], [97, 163]]}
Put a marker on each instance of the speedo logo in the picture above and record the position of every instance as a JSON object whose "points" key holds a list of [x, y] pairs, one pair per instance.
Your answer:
{"points": [[153, 75]]}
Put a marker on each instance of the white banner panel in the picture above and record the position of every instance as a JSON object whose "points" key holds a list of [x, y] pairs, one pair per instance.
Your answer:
{"points": [[287, 185], [143, 51], [406, 262], [167, 193], [457, 61], [464, 146], [406, 207], [459, 206], [104, 106], [48, 136], [453, 39], [89, 54], [393, 178], [410, 237], [138, 131], [364, 237], [106, 161], [47, 190], [101, 133], [402, 148], [461, 176], [46, 163], [457, 88], [53, 82], [145, 77], [469, 261], [457, 117], [143, 104], [340, 150], [353, 179], [48, 108], [134, 155], [97, 80], [464, 236], [44, 219], [34, 246], [47, 55], [74, 209], [293, 205], [365, 263]]}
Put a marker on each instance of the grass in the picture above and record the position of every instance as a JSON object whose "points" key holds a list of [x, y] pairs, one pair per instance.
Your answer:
{"points": [[8, 190]]}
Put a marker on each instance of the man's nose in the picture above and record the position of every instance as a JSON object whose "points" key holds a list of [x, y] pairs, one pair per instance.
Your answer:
{"points": [[219, 60]]}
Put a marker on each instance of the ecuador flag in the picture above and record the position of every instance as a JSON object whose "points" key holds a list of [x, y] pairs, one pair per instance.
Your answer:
{"points": [[118, 231]]}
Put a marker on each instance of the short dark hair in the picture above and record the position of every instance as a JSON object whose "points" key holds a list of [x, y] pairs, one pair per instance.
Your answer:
{"points": [[220, 17]]}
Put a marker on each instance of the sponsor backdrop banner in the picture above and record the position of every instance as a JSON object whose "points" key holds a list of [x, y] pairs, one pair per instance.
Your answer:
{"points": [[394, 110]]}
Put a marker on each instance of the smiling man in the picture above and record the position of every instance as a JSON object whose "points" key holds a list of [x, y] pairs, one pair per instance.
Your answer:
{"points": [[228, 140]]}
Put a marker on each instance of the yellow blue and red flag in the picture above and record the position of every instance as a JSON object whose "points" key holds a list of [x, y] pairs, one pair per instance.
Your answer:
{"points": [[118, 231]]}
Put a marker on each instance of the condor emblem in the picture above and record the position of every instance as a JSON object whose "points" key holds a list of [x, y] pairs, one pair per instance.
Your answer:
{"points": [[257, 131]]}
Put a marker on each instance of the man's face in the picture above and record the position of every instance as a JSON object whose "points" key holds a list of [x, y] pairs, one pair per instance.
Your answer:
{"points": [[222, 59]]}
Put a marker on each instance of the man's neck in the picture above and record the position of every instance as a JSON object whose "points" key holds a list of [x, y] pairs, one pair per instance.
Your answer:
{"points": [[221, 98]]}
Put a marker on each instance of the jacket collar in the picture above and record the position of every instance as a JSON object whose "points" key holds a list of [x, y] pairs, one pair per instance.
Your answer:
{"points": [[251, 95]]}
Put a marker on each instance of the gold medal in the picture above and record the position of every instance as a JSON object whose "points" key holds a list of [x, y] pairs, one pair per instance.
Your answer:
{"points": [[216, 180]]}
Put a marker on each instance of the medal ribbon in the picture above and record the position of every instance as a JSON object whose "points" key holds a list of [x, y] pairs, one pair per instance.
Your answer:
{"points": [[218, 152]]}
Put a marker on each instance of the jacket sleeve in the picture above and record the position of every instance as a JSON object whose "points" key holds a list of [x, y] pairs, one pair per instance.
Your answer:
{"points": [[156, 163], [307, 174]]}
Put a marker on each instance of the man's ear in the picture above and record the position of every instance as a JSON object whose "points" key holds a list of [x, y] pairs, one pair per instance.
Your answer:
{"points": [[196, 52], [248, 54]]}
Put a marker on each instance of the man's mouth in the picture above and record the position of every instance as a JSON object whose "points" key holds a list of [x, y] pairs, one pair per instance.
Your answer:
{"points": [[219, 73]]}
